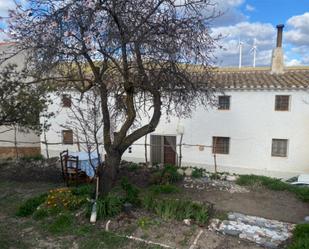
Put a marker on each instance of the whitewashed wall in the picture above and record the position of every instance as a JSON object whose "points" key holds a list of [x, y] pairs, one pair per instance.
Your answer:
{"points": [[251, 123], [60, 119], [24, 139]]}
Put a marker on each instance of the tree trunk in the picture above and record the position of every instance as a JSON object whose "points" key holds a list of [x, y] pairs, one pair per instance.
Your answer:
{"points": [[108, 173]]}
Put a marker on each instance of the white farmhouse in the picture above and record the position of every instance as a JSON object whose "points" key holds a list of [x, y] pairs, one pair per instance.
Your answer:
{"points": [[260, 126]]}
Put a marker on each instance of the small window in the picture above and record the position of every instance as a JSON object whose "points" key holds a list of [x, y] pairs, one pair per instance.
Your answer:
{"points": [[220, 145], [279, 147], [66, 100], [224, 103], [67, 137], [282, 103]]}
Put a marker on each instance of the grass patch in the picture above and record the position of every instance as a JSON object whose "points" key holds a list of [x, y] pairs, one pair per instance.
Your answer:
{"points": [[274, 184], [31, 205], [164, 189], [61, 224], [300, 237], [40, 214], [177, 209]]}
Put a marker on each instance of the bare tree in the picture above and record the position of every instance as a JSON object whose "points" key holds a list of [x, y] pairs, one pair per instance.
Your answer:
{"points": [[142, 56], [85, 118]]}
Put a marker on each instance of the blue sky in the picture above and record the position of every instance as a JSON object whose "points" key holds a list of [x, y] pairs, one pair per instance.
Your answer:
{"points": [[247, 20]]}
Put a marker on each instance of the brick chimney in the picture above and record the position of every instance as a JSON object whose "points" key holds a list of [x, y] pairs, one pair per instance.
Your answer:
{"points": [[277, 60]]}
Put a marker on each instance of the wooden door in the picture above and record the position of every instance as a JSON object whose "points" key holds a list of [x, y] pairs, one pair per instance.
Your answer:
{"points": [[170, 150]]}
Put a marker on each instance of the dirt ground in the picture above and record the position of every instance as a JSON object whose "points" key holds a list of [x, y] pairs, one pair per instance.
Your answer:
{"points": [[278, 205], [175, 234], [23, 181]]}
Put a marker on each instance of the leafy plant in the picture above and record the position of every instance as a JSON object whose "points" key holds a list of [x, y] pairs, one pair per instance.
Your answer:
{"points": [[177, 209], [133, 167], [165, 189], [108, 206], [31, 205], [197, 173], [132, 192], [83, 190], [63, 199], [167, 175]]}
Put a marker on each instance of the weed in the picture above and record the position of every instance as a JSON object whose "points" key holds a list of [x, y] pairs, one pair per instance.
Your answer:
{"points": [[164, 189], [146, 222], [274, 184], [30, 205]]}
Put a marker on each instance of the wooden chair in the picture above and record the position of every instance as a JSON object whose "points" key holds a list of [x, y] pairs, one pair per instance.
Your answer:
{"points": [[70, 170]]}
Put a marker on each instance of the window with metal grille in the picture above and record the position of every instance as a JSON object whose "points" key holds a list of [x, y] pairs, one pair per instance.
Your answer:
{"points": [[279, 147], [67, 137], [66, 100], [220, 145], [224, 102], [282, 102]]}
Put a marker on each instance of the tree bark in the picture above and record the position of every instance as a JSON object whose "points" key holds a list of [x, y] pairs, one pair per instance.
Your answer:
{"points": [[108, 172]]}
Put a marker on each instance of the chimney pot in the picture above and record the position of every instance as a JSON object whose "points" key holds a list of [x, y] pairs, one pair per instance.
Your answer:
{"points": [[279, 35]]}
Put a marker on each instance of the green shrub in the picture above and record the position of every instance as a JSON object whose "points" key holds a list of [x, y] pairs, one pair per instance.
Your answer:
{"points": [[133, 167], [300, 237], [40, 214], [108, 206], [132, 192], [167, 175], [170, 174], [164, 189], [177, 209], [61, 224], [274, 184], [38, 157], [31, 205], [197, 173]]}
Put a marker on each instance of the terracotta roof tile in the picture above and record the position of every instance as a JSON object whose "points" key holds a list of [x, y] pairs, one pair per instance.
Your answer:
{"points": [[260, 78]]}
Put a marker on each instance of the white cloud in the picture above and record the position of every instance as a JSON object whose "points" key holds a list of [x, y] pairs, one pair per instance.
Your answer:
{"points": [[250, 8], [5, 5], [298, 33], [246, 32], [293, 62]]}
